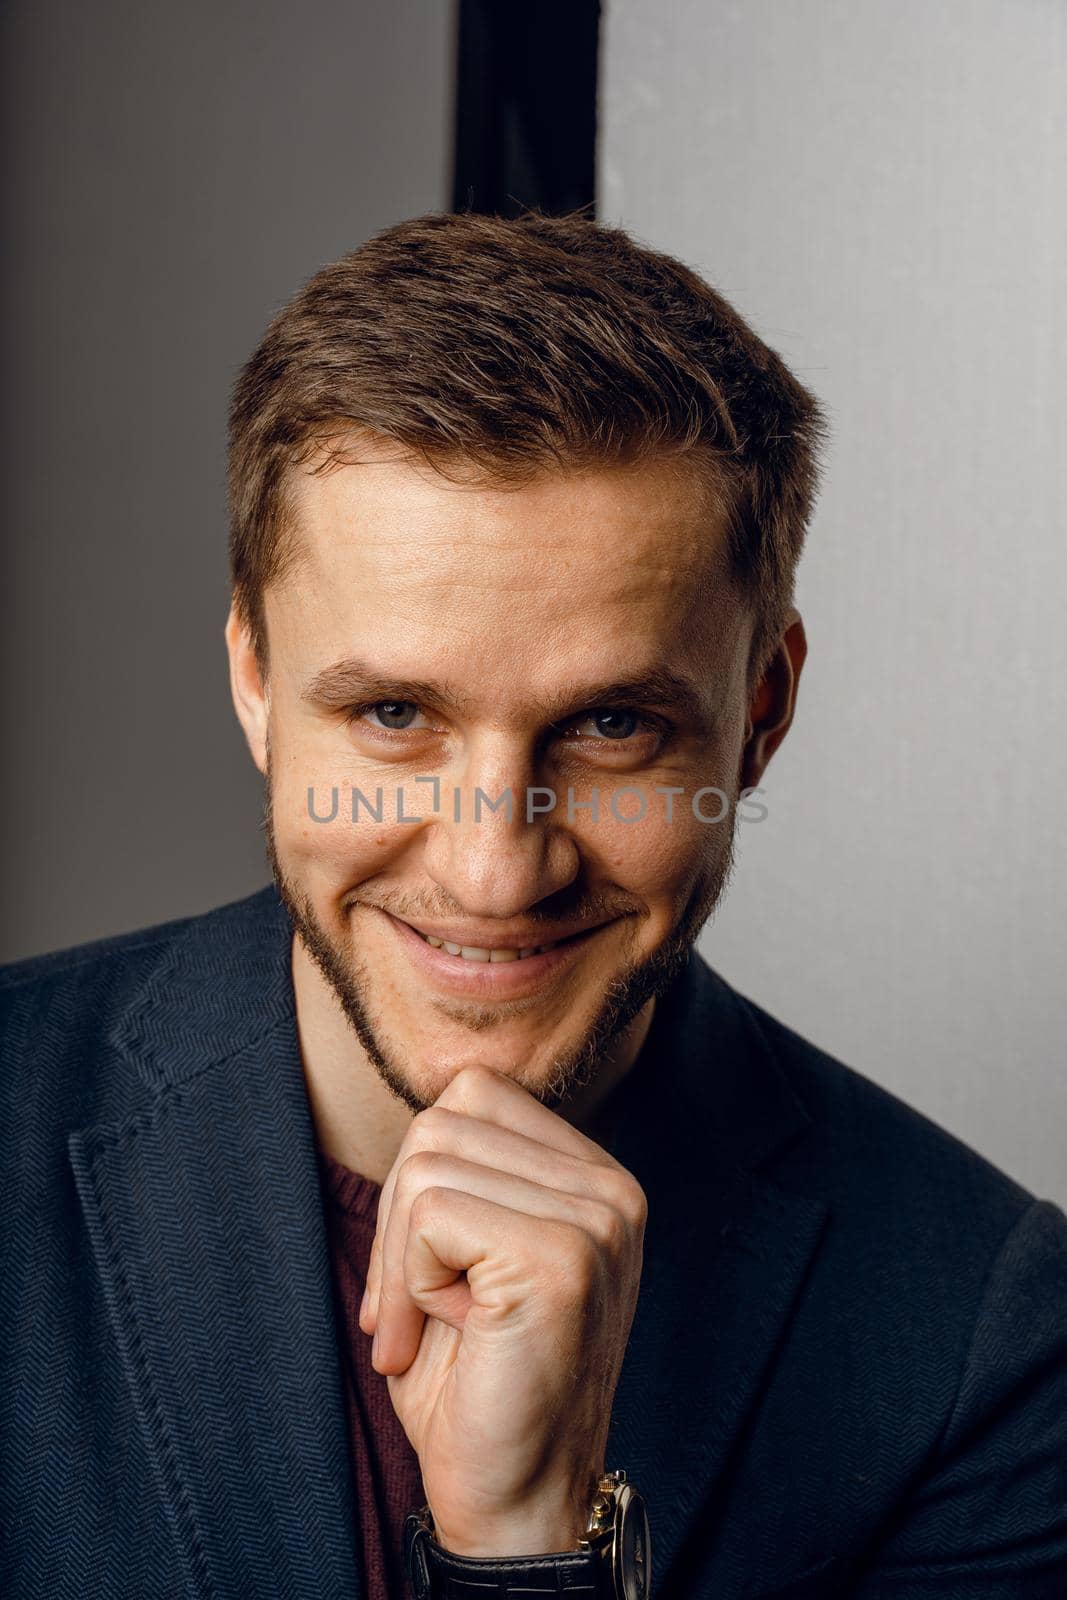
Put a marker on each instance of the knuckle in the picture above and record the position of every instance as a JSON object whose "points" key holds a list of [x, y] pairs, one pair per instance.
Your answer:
{"points": [[417, 1170], [609, 1227], [477, 1073], [427, 1204], [428, 1127], [638, 1206], [470, 1087], [627, 1196]]}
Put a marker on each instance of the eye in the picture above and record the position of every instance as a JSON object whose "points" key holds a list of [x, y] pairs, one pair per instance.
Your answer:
{"points": [[396, 715], [615, 734], [609, 725]]}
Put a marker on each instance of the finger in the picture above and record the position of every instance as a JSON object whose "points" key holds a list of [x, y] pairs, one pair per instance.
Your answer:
{"points": [[481, 1091], [368, 1305], [491, 1144], [451, 1234], [403, 1304]]}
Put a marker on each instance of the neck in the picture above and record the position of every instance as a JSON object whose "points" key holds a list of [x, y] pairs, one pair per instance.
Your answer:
{"points": [[358, 1119]]}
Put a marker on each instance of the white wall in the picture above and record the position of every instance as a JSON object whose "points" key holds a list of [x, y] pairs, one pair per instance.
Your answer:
{"points": [[880, 186]]}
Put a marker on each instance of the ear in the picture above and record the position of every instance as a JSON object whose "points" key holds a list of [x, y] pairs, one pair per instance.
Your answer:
{"points": [[251, 696], [773, 701]]}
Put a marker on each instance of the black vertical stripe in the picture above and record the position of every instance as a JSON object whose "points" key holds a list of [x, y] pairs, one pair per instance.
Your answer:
{"points": [[526, 84]]}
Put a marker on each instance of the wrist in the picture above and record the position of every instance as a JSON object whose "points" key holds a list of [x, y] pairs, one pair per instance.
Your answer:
{"points": [[551, 1521], [508, 1539], [612, 1559]]}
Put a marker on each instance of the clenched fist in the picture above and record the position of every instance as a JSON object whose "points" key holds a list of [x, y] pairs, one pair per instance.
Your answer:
{"points": [[502, 1286]]}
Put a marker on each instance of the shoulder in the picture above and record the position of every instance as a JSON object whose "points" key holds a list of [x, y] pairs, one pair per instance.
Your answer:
{"points": [[931, 1330], [931, 1251], [60, 1014], [109, 958], [872, 1149]]}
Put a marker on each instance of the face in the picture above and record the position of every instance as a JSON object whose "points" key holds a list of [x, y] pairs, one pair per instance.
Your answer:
{"points": [[573, 644]]}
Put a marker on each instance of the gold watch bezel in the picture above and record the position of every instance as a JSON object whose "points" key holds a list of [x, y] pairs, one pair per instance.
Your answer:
{"points": [[611, 1502]]}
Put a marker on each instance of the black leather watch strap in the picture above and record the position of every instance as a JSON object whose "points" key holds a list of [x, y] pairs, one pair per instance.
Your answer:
{"points": [[439, 1574]]}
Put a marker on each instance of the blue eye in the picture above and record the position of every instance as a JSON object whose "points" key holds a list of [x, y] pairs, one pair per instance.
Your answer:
{"points": [[394, 714], [613, 724]]}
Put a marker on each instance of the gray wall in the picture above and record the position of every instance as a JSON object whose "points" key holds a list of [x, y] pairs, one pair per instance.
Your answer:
{"points": [[879, 186], [174, 172]]}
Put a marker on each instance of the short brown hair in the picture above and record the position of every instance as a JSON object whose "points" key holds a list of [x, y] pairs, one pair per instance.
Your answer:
{"points": [[515, 346]]}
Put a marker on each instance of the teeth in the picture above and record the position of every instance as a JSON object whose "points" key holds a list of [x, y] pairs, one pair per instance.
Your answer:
{"points": [[478, 953]]}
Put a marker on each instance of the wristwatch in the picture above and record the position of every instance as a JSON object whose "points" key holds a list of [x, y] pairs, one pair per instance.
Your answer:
{"points": [[613, 1560]]}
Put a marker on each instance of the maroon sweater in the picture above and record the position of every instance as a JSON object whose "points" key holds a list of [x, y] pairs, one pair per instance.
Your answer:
{"points": [[385, 1469]]}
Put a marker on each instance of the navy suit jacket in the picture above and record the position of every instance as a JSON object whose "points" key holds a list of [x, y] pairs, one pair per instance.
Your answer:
{"points": [[847, 1372]]}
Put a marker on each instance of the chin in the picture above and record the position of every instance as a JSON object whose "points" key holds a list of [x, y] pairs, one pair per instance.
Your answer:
{"points": [[526, 1048], [428, 1080]]}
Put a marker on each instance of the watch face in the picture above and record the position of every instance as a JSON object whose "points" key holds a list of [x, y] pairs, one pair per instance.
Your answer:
{"points": [[633, 1577]]}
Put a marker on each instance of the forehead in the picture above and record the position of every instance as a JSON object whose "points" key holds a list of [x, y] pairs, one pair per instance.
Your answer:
{"points": [[572, 572]]}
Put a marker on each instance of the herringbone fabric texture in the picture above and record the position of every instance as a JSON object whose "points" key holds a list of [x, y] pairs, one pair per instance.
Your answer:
{"points": [[847, 1374]]}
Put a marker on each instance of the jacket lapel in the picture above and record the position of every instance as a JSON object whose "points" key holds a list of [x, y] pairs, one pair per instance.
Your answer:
{"points": [[206, 1223], [725, 1254]]}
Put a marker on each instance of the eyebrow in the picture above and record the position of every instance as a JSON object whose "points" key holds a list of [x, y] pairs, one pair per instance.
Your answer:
{"points": [[352, 681]]}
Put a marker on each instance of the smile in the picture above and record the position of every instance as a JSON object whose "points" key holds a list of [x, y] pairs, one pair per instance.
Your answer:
{"points": [[491, 972], [479, 953]]}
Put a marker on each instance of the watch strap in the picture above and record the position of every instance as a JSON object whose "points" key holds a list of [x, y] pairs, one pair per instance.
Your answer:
{"points": [[439, 1574]]}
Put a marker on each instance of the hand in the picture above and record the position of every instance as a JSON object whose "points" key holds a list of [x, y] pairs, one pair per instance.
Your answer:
{"points": [[502, 1286]]}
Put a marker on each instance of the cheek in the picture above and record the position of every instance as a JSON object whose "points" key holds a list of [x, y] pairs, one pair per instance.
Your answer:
{"points": [[332, 829], [659, 855]]}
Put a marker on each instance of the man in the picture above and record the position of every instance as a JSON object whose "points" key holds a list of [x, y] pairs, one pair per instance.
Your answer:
{"points": [[355, 1233]]}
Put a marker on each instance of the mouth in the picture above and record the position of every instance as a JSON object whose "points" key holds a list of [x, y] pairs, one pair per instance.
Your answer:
{"points": [[510, 970], [473, 952]]}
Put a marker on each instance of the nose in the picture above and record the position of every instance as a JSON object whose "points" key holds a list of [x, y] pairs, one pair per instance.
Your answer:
{"points": [[484, 852]]}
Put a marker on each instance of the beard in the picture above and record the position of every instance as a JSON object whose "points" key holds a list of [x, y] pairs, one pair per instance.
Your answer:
{"points": [[625, 996]]}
